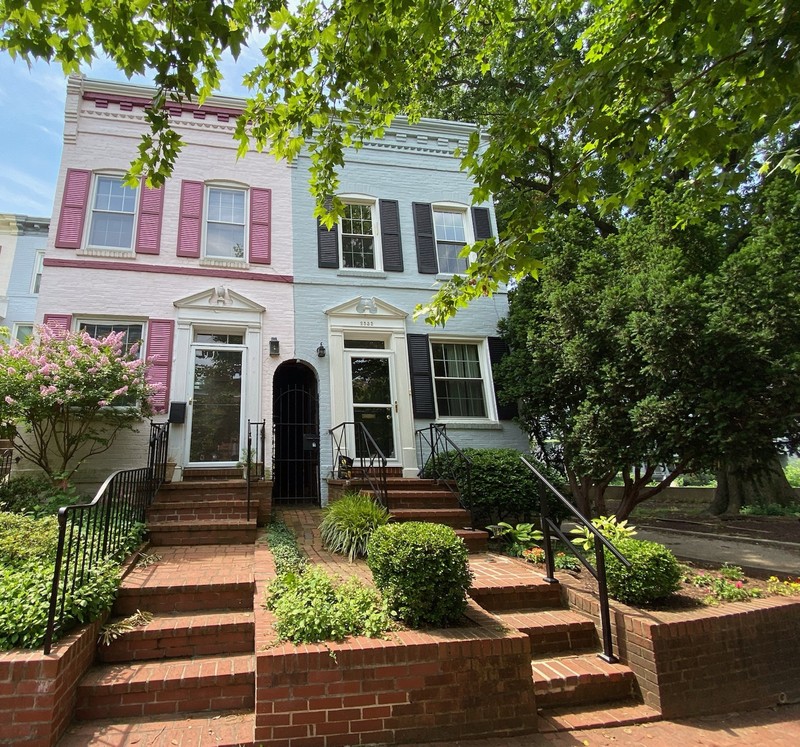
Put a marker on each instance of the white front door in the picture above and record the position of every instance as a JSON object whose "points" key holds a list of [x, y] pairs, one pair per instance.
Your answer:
{"points": [[373, 401], [216, 407]]}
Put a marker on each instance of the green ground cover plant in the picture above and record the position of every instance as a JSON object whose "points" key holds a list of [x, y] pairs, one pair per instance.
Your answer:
{"points": [[728, 584], [788, 587], [561, 560], [349, 523], [34, 495], [422, 570]]}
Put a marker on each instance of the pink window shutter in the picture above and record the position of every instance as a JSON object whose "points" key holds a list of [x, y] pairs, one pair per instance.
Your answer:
{"points": [[190, 225], [73, 209], [148, 224], [260, 219], [159, 360], [59, 324]]}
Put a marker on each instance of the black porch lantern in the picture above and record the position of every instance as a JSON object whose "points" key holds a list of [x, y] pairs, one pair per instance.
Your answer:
{"points": [[274, 346], [321, 351]]}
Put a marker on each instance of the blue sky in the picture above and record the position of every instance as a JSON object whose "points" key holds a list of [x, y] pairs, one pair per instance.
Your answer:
{"points": [[32, 125]]}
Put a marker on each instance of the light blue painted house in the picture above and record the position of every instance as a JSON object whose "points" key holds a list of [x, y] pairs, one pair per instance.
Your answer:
{"points": [[361, 358], [23, 240]]}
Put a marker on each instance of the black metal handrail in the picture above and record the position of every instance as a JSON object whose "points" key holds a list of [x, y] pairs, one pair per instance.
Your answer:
{"points": [[434, 441], [6, 460], [254, 468], [91, 533], [366, 450], [598, 570]]}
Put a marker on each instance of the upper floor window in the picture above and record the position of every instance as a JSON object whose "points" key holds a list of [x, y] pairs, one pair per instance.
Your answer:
{"points": [[112, 214], [451, 237], [225, 223], [458, 383], [38, 264], [358, 237]]}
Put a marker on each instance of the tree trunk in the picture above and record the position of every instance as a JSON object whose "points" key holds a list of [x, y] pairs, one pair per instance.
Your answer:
{"points": [[737, 487]]}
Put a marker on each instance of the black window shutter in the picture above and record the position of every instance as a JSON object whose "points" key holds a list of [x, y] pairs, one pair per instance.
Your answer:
{"points": [[419, 358], [328, 243], [390, 235], [497, 350], [482, 223], [426, 245]]}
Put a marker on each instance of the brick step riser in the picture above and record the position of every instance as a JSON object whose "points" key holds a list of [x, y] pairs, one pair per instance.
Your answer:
{"points": [[578, 640], [220, 693], [231, 597], [230, 512], [423, 502], [179, 643], [592, 692], [504, 600], [189, 497], [399, 483], [163, 536], [476, 544]]}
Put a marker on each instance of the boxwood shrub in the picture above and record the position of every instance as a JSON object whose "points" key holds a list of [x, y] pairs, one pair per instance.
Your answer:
{"points": [[654, 572], [503, 488], [422, 571]]}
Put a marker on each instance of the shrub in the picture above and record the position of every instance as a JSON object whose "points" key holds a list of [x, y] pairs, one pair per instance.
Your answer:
{"points": [[518, 539], [503, 488], [770, 509], [422, 570], [349, 523], [654, 572], [282, 543], [34, 495], [310, 607], [792, 472], [25, 540], [608, 526]]}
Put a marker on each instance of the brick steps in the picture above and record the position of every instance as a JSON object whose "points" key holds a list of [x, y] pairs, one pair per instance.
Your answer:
{"points": [[457, 518], [415, 499], [580, 680], [222, 729], [203, 532], [598, 716], [475, 539], [174, 686], [170, 636], [233, 595], [552, 631], [206, 510], [537, 594]]}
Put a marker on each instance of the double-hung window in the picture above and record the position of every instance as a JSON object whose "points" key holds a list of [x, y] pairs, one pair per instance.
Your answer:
{"points": [[112, 214], [358, 237], [133, 335], [226, 223], [458, 383], [451, 237], [38, 265]]}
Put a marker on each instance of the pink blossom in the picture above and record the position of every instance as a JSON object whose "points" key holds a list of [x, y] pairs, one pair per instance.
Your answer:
{"points": [[102, 403], [11, 370], [10, 400], [44, 391], [120, 391]]}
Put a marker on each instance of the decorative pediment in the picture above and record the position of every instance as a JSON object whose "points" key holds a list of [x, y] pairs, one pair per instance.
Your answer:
{"points": [[219, 297], [368, 307]]}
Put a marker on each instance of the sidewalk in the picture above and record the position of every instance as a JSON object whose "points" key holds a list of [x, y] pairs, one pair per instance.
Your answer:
{"points": [[766, 728]]}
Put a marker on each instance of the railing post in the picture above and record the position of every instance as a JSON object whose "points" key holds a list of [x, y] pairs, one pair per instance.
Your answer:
{"points": [[605, 614], [51, 615], [548, 543]]}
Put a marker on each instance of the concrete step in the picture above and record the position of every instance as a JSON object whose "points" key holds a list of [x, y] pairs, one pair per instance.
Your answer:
{"points": [[221, 728], [226, 509], [457, 518], [170, 636], [518, 595], [581, 680], [553, 631], [202, 532], [598, 716], [167, 687]]}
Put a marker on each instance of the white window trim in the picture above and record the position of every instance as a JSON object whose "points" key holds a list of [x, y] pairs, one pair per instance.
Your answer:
{"points": [[215, 258], [486, 379], [109, 250], [15, 331], [372, 203], [469, 234], [38, 270]]}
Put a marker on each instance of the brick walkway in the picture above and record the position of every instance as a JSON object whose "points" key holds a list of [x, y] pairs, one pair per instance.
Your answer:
{"points": [[767, 728]]}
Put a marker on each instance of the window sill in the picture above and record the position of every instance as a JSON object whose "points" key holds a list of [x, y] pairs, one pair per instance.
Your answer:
{"points": [[115, 253], [236, 264], [471, 425], [354, 273]]}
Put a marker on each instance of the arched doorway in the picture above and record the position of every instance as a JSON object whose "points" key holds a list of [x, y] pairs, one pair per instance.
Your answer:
{"points": [[295, 434]]}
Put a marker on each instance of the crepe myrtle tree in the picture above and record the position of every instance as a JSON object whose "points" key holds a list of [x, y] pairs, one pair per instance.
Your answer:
{"points": [[65, 397]]}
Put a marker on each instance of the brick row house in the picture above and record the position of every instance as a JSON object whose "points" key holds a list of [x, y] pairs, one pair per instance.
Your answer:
{"points": [[249, 309]]}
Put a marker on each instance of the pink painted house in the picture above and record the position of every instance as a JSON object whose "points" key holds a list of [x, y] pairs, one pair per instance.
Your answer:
{"points": [[199, 271]]}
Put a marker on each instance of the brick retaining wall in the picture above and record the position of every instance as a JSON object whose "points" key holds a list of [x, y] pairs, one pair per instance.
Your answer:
{"points": [[741, 656], [37, 692], [412, 687]]}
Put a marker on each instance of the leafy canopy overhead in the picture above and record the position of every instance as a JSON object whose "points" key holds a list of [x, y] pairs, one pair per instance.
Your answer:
{"points": [[587, 104]]}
